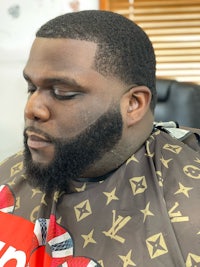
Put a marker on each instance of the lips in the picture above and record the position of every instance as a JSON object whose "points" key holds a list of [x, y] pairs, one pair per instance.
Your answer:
{"points": [[36, 141]]}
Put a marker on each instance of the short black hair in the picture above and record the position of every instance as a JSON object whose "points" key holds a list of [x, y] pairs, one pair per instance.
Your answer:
{"points": [[124, 49]]}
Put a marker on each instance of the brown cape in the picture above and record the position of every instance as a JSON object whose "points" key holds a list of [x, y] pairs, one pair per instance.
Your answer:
{"points": [[146, 213]]}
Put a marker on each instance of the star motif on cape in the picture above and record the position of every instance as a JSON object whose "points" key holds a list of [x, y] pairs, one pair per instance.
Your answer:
{"points": [[127, 260], [111, 196], [147, 211], [184, 190], [88, 238]]}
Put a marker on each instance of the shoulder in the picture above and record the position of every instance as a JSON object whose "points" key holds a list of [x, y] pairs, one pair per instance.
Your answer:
{"points": [[193, 130], [188, 136], [11, 167]]}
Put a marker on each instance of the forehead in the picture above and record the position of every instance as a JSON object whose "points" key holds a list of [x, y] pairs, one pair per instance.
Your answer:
{"points": [[67, 59], [58, 54]]}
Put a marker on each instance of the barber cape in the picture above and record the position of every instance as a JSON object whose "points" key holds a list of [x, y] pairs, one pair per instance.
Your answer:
{"points": [[145, 214]]}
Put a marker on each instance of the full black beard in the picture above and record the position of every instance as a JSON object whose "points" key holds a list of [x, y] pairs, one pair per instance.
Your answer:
{"points": [[74, 156]]}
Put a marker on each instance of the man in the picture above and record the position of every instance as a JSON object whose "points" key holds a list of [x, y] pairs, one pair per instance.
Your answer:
{"points": [[98, 183]]}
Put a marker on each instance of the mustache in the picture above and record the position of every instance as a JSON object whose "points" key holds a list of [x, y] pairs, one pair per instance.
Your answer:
{"points": [[40, 132]]}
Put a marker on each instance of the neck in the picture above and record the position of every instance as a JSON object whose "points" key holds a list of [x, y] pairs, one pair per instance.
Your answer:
{"points": [[130, 142]]}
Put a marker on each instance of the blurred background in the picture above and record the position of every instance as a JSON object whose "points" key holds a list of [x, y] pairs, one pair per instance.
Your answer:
{"points": [[173, 27], [20, 19]]}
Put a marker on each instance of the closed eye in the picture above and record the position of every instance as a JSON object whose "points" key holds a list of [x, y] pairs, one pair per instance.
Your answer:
{"points": [[61, 94]]}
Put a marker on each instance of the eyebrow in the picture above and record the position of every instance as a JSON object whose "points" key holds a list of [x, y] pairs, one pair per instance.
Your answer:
{"points": [[60, 80]]}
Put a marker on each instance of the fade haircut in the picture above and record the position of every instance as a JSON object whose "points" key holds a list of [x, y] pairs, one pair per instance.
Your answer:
{"points": [[124, 50]]}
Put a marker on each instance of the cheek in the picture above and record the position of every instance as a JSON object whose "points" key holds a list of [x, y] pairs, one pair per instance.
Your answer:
{"points": [[72, 122], [72, 119]]}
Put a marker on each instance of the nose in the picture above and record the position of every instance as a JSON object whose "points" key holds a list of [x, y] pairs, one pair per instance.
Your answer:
{"points": [[37, 107]]}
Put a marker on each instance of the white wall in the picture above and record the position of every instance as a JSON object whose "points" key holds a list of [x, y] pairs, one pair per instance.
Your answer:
{"points": [[19, 21]]}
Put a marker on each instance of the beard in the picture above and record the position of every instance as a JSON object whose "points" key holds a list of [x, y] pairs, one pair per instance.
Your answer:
{"points": [[73, 156]]}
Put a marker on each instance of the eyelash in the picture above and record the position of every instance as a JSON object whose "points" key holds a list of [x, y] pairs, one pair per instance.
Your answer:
{"points": [[70, 95], [32, 89]]}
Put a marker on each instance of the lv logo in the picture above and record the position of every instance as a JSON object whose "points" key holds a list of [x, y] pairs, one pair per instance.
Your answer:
{"points": [[117, 224], [175, 215]]}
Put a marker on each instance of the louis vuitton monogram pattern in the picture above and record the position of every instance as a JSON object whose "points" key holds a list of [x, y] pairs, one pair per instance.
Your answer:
{"points": [[145, 214]]}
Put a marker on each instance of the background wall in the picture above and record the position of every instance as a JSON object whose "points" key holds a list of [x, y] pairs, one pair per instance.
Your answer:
{"points": [[19, 22], [174, 29]]}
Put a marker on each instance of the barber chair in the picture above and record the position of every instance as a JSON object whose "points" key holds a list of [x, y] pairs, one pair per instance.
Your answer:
{"points": [[179, 102]]}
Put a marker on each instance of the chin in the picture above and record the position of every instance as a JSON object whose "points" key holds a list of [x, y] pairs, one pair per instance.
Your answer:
{"points": [[41, 158]]}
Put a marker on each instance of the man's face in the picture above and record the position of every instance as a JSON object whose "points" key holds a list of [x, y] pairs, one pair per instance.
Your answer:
{"points": [[71, 110]]}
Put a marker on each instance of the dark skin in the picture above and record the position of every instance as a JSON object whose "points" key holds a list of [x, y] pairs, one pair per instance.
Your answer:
{"points": [[67, 94]]}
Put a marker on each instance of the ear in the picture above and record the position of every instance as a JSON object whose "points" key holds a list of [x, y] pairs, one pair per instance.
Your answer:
{"points": [[135, 104]]}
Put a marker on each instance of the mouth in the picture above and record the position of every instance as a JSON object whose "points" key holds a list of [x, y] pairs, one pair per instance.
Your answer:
{"points": [[37, 141]]}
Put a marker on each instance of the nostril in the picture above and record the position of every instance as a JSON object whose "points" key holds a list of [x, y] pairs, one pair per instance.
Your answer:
{"points": [[36, 118]]}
